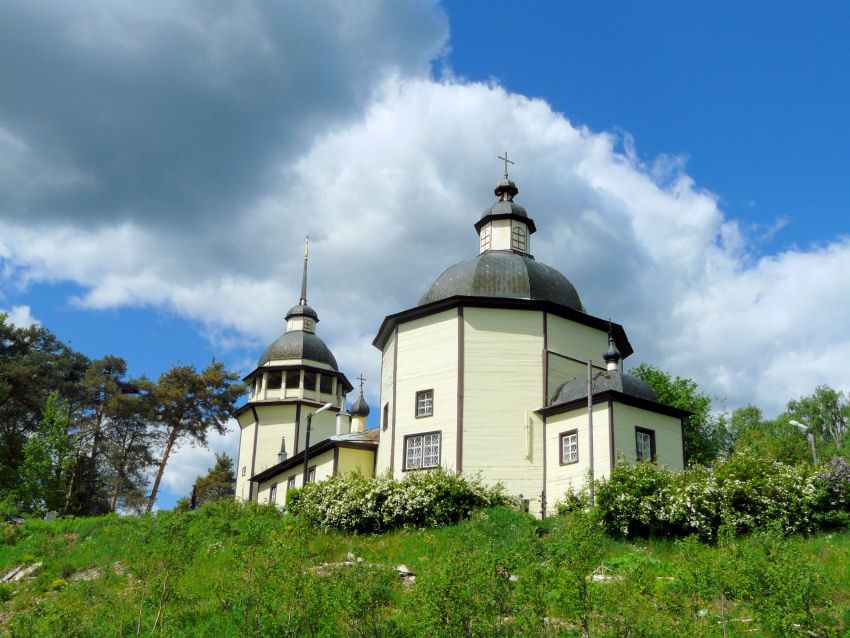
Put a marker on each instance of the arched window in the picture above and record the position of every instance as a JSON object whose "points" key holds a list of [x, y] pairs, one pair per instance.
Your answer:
{"points": [[519, 239]]}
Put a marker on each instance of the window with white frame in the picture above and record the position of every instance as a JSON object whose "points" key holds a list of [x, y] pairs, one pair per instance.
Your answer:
{"points": [[424, 403], [311, 475], [422, 451], [484, 238], [273, 493], [519, 239], [569, 447], [290, 483], [644, 444], [244, 469]]}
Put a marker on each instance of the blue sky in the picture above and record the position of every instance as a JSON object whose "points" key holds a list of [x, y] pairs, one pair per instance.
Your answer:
{"points": [[685, 164]]}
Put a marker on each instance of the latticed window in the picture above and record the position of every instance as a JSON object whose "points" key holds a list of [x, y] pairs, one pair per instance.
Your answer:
{"points": [[484, 238], [425, 403], [644, 444], [569, 447], [273, 493], [519, 239], [422, 451], [290, 483]]}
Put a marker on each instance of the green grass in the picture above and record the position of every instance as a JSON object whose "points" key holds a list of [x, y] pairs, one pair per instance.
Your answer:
{"points": [[229, 570]]}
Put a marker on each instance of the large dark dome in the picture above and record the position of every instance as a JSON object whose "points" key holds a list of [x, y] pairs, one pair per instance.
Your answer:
{"points": [[502, 273], [298, 344]]}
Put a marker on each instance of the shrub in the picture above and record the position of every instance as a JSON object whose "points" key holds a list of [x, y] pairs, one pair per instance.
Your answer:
{"points": [[743, 492], [421, 499], [832, 494]]}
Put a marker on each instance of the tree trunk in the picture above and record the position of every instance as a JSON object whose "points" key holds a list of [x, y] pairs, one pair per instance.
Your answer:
{"points": [[91, 469], [171, 436]]}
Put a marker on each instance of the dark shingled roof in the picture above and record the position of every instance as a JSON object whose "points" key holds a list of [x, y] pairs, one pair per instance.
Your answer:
{"points": [[302, 310], [360, 407], [505, 210], [299, 345], [607, 380], [504, 274]]}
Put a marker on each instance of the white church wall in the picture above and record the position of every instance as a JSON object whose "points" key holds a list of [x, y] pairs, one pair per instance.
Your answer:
{"points": [[503, 385], [383, 461], [575, 340], [560, 478], [276, 422], [323, 426], [561, 369], [246, 446], [427, 360], [668, 434], [352, 461]]}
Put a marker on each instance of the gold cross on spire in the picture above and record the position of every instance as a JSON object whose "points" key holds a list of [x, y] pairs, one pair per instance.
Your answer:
{"points": [[362, 380], [507, 161]]}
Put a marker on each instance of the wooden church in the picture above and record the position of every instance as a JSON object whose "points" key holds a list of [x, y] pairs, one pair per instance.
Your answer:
{"points": [[488, 374]]}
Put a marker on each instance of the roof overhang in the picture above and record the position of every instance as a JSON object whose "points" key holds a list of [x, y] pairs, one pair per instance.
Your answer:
{"points": [[295, 401], [297, 460], [619, 397], [390, 321]]}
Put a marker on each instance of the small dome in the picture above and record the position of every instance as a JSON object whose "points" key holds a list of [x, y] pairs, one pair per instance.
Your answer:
{"points": [[505, 209], [505, 274], [300, 310], [298, 344], [360, 407], [608, 380]]}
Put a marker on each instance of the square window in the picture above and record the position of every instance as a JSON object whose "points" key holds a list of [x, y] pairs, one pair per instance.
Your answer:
{"points": [[569, 447], [424, 403], [644, 444], [422, 451], [274, 380], [293, 379], [326, 384], [310, 380]]}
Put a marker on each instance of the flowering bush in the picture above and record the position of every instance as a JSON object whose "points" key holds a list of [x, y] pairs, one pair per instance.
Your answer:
{"points": [[832, 493], [743, 492], [421, 499]]}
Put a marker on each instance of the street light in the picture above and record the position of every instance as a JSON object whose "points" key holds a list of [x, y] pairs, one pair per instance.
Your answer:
{"points": [[805, 428], [307, 439]]}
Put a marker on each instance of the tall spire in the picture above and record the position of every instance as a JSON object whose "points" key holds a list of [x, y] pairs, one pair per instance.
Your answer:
{"points": [[303, 300]]}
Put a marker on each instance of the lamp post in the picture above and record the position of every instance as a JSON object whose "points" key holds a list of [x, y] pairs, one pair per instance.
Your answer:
{"points": [[805, 428], [307, 439]]}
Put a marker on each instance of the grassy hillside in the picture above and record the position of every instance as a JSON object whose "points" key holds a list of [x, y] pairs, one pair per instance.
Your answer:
{"points": [[230, 570]]}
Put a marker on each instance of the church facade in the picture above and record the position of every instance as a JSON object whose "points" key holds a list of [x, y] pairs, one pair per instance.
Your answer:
{"points": [[488, 374]]}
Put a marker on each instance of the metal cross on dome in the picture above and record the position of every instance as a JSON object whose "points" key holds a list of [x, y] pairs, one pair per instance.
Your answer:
{"points": [[362, 380], [507, 161]]}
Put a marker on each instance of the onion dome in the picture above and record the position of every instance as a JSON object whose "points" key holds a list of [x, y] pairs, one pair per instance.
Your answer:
{"points": [[300, 310], [612, 354], [300, 340], [298, 344], [504, 267], [360, 407]]}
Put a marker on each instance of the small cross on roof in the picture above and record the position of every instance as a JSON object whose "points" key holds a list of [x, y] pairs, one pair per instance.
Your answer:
{"points": [[507, 161], [362, 380]]}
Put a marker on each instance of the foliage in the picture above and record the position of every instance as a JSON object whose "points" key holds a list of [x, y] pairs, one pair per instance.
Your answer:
{"points": [[189, 405], [357, 504], [705, 434], [231, 569], [742, 492], [218, 484], [47, 459]]}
